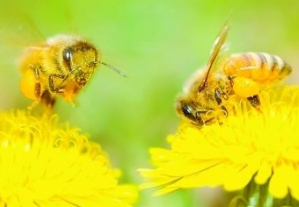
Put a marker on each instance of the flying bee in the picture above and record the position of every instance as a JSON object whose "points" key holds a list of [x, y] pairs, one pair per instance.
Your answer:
{"points": [[209, 95], [61, 66]]}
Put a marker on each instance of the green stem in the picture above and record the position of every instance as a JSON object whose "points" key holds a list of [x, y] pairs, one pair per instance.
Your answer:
{"points": [[254, 195]]}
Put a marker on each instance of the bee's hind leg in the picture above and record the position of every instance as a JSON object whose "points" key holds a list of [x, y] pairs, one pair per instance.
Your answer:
{"points": [[48, 99], [254, 101], [37, 89]]}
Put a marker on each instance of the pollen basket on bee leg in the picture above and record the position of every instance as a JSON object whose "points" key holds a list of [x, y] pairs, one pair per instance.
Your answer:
{"points": [[28, 85], [245, 87]]}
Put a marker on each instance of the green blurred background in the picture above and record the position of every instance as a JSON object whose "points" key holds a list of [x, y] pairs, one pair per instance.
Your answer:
{"points": [[158, 44]]}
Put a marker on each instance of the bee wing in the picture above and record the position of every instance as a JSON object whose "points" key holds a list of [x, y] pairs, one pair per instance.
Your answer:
{"points": [[17, 29], [216, 55]]}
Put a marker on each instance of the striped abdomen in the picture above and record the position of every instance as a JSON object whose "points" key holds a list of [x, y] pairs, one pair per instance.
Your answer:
{"points": [[261, 67]]}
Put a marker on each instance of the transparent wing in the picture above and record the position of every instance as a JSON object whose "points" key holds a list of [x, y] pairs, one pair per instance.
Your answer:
{"points": [[17, 30], [216, 55], [18, 24]]}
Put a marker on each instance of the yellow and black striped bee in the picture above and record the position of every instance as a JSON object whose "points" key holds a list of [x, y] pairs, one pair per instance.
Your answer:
{"points": [[60, 66], [210, 92]]}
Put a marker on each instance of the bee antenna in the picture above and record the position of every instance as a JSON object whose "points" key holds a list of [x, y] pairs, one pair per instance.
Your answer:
{"points": [[114, 69]]}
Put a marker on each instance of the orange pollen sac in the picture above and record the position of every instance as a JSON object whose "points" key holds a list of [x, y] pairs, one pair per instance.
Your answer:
{"points": [[70, 92], [28, 85], [245, 87]]}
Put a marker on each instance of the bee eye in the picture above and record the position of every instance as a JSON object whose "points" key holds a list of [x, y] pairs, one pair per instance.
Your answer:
{"points": [[67, 55], [188, 111]]}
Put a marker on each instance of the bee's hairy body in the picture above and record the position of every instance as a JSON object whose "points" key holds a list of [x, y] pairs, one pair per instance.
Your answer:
{"points": [[211, 94], [60, 66]]}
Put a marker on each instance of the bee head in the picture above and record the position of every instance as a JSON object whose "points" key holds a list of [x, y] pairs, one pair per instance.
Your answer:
{"points": [[199, 115], [81, 60], [189, 111]]}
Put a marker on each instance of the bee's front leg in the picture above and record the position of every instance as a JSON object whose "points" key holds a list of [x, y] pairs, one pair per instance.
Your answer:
{"points": [[52, 87], [220, 93]]}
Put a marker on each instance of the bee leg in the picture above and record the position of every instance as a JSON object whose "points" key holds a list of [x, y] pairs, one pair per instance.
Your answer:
{"points": [[225, 112], [254, 101], [209, 120], [47, 99], [231, 79], [37, 87], [218, 96], [52, 86], [198, 117]]}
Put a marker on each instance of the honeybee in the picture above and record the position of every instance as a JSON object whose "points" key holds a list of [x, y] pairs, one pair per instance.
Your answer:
{"points": [[61, 66], [208, 96]]}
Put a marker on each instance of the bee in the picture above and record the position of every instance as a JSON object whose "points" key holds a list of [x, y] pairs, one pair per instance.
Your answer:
{"points": [[58, 66], [61, 66], [209, 95]]}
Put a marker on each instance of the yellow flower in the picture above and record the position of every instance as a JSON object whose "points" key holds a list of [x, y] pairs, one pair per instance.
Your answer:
{"points": [[44, 164], [250, 147]]}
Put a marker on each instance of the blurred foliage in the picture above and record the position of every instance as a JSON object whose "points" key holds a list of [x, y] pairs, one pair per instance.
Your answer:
{"points": [[158, 44]]}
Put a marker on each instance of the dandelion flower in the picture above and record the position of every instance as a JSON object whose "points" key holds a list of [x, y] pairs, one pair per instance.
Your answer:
{"points": [[43, 164], [253, 150]]}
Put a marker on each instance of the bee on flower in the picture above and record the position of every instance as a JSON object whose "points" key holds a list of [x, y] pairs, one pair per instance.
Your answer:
{"points": [[208, 95]]}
